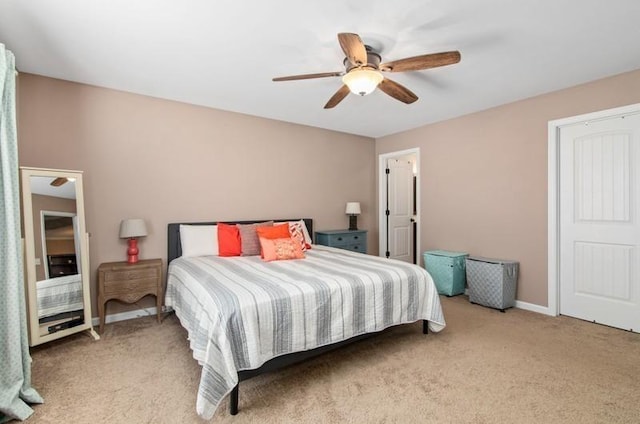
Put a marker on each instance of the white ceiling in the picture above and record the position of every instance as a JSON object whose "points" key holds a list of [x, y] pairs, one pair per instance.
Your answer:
{"points": [[223, 54], [42, 185]]}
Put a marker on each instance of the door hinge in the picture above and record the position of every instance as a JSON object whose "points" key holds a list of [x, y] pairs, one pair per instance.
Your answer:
{"points": [[387, 212], [386, 171], [387, 253]]}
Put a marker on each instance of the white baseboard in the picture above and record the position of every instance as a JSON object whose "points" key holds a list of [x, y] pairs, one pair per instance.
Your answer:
{"points": [[122, 316], [534, 308], [526, 306]]}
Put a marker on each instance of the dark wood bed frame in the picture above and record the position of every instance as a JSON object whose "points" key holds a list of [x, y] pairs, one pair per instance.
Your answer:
{"points": [[175, 251]]}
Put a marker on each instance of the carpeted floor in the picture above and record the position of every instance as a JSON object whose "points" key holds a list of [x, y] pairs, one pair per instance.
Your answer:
{"points": [[485, 367]]}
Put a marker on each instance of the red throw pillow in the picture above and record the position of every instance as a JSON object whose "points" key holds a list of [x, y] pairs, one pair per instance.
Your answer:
{"points": [[275, 232], [229, 243]]}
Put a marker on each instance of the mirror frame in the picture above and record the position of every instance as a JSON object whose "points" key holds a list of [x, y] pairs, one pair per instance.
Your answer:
{"points": [[30, 257]]}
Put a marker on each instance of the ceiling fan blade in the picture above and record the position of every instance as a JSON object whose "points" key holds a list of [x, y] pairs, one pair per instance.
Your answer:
{"points": [[309, 76], [397, 91], [58, 182], [337, 98], [424, 61], [353, 48]]}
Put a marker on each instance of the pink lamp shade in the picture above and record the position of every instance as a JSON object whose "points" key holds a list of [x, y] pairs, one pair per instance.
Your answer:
{"points": [[131, 229]]}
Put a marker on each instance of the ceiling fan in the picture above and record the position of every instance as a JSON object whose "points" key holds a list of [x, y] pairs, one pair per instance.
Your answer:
{"points": [[362, 70], [60, 181]]}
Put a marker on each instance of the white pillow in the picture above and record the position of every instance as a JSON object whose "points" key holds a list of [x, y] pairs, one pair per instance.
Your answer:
{"points": [[199, 240]]}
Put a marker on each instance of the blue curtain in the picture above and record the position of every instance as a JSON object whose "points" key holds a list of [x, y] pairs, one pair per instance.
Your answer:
{"points": [[15, 363]]}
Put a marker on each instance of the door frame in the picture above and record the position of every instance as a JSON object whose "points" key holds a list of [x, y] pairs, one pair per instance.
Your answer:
{"points": [[553, 195], [76, 239], [382, 197]]}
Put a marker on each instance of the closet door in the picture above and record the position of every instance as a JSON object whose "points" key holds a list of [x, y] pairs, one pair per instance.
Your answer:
{"points": [[600, 221]]}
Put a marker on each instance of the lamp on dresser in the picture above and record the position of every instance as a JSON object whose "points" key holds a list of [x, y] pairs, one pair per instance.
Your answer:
{"points": [[131, 229], [353, 210]]}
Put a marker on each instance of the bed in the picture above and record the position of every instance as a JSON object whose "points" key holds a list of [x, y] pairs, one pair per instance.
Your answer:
{"points": [[59, 295], [60, 303], [245, 316]]}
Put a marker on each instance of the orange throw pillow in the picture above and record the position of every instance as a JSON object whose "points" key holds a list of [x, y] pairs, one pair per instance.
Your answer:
{"points": [[280, 249], [275, 232], [229, 243]]}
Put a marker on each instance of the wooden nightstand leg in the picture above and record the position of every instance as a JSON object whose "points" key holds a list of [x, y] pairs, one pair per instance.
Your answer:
{"points": [[159, 307], [101, 315]]}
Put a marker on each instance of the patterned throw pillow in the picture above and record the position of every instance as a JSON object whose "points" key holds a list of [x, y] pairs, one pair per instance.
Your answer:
{"points": [[297, 234], [280, 249], [250, 244], [301, 226]]}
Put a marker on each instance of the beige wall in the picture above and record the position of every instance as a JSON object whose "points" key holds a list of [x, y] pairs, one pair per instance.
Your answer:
{"points": [[168, 162], [484, 176]]}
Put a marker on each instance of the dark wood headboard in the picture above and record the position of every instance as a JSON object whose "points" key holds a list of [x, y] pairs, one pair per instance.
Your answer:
{"points": [[174, 248]]}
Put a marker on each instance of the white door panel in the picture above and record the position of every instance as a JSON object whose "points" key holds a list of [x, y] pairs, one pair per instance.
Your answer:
{"points": [[401, 239], [400, 201], [600, 221]]}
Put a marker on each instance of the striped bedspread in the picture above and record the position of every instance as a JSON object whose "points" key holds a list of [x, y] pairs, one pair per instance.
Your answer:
{"points": [[59, 294], [240, 312]]}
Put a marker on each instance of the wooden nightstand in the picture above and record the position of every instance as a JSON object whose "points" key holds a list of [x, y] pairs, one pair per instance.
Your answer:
{"points": [[129, 283], [355, 240]]}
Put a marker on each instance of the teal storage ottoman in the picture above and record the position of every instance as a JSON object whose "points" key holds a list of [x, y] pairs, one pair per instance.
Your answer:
{"points": [[447, 270]]}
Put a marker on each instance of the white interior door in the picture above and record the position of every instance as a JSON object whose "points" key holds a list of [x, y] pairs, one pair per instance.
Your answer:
{"points": [[600, 221], [400, 207]]}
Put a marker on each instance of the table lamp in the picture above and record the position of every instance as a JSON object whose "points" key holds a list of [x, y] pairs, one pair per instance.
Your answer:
{"points": [[131, 229], [353, 210]]}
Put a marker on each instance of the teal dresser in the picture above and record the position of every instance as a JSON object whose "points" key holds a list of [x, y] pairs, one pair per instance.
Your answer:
{"points": [[355, 241]]}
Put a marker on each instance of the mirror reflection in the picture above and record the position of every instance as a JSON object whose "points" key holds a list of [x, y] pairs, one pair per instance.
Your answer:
{"points": [[57, 253], [58, 244]]}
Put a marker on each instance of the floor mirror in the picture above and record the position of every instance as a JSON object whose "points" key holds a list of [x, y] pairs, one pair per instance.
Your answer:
{"points": [[56, 254]]}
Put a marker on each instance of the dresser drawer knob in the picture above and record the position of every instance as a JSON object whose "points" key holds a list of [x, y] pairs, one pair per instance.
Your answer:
{"points": [[355, 237], [339, 238]]}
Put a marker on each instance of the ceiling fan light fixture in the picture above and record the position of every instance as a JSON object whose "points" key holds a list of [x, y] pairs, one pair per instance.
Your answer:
{"points": [[362, 81], [58, 181]]}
